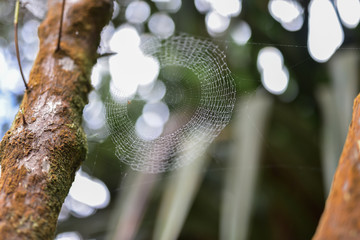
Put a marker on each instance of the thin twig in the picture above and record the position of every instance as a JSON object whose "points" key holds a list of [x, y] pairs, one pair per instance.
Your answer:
{"points": [[61, 23], [17, 42]]}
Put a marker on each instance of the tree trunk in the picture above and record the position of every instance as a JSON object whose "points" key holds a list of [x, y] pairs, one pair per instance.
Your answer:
{"points": [[46, 144], [341, 217]]}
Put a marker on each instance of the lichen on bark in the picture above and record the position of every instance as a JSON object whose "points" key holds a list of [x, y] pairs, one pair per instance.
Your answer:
{"points": [[46, 144]]}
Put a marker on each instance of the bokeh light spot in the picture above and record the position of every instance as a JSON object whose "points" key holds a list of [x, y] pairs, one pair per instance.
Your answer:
{"points": [[288, 13], [89, 191], [325, 32], [274, 75], [137, 12], [145, 131], [68, 236], [349, 11], [171, 6], [130, 67], [227, 8], [241, 33], [216, 23], [161, 25]]}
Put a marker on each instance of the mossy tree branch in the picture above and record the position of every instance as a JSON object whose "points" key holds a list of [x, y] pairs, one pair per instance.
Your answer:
{"points": [[341, 217], [46, 144]]}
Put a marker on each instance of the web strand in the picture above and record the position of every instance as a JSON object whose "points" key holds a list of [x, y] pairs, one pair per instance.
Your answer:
{"points": [[198, 115]]}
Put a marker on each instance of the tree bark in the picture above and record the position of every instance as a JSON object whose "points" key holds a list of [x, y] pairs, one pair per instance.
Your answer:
{"points": [[46, 144], [341, 217]]}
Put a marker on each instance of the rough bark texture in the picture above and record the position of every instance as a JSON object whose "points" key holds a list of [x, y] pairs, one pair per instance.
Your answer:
{"points": [[341, 217], [45, 145]]}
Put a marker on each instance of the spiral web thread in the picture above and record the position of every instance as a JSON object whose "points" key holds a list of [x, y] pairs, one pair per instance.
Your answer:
{"points": [[188, 141]]}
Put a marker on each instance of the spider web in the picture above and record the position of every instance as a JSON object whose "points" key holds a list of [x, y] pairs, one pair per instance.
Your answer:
{"points": [[200, 96]]}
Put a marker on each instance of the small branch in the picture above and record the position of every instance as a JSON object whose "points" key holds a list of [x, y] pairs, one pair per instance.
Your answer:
{"points": [[60, 27], [17, 42], [106, 55]]}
